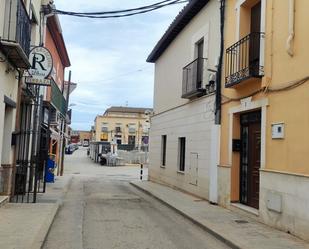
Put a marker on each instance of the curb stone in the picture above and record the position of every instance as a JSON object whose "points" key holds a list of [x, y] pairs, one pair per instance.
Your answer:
{"points": [[201, 225], [40, 238]]}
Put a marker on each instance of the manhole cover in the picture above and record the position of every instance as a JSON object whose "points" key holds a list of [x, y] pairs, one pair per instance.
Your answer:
{"points": [[241, 221]]}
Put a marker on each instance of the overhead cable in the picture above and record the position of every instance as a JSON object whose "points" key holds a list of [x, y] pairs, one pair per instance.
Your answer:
{"points": [[121, 13]]}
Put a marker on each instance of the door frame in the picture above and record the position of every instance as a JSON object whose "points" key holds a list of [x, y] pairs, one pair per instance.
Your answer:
{"points": [[246, 105]]}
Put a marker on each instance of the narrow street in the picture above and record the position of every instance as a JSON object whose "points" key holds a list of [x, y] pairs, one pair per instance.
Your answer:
{"points": [[102, 210]]}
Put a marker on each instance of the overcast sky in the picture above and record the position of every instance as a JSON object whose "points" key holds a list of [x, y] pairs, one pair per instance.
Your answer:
{"points": [[108, 56]]}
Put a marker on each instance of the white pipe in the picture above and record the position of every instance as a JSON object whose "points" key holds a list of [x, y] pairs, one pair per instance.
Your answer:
{"points": [[289, 45]]}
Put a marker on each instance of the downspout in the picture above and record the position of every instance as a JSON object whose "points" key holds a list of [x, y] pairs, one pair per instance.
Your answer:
{"points": [[65, 123], [289, 44], [215, 132], [219, 71]]}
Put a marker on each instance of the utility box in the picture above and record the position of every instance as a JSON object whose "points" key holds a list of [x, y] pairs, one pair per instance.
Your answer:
{"points": [[277, 131], [50, 168]]}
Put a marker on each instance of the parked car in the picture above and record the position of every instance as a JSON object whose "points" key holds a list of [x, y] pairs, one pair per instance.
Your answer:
{"points": [[69, 149]]}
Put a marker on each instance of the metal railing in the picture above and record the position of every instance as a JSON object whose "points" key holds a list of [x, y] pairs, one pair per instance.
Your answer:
{"points": [[193, 74], [17, 24], [243, 59]]}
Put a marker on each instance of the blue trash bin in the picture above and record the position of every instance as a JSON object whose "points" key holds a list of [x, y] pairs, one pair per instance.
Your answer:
{"points": [[50, 168]]}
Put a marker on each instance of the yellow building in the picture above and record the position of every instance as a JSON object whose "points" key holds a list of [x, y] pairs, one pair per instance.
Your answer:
{"points": [[265, 97], [123, 125]]}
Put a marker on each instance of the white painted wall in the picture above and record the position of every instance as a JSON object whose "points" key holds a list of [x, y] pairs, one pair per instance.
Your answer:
{"points": [[194, 121], [8, 87], [177, 117], [168, 68]]}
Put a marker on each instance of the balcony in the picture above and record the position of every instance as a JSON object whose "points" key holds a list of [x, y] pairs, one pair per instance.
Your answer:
{"points": [[243, 60], [15, 40], [192, 83]]}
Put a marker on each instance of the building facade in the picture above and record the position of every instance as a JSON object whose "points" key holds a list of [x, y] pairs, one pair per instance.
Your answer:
{"points": [[25, 109], [123, 125], [18, 25], [57, 93], [264, 137], [183, 136]]}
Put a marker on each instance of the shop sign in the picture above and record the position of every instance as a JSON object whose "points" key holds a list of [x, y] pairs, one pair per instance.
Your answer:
{"points": [[41, 67], [36, 81]]}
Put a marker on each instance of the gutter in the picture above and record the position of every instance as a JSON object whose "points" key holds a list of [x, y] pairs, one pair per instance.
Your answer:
{"points": [[289, 43]]}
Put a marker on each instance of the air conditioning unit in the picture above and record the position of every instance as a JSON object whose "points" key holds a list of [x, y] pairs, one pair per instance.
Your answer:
{"points": [[211, 86], [54, 118]]}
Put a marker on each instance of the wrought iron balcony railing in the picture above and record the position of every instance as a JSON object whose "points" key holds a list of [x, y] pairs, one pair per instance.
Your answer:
{"points": [[15, 40], [193, 75], [243, 59]]}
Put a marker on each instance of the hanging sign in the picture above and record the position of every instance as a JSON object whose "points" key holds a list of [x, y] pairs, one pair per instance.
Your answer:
{"points": [[41, 67]]}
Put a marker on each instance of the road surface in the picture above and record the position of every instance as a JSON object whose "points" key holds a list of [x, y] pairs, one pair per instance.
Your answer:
{"points": [[102, 210]]}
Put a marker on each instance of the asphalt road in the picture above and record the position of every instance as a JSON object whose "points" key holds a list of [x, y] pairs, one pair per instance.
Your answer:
{"points": [[102, 210]]}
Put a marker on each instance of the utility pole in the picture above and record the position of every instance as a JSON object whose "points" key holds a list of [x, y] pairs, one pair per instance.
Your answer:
{"points": [[65, 123]]}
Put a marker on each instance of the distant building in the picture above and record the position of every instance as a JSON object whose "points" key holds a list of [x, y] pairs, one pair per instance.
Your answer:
{"points": [[80, 136], [123, 125]]}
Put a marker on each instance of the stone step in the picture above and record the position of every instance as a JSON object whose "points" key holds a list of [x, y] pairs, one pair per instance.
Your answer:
{"points": [[3, 200]]}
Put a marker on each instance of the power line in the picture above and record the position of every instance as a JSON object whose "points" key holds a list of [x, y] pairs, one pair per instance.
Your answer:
{"points": [[121, 13], [117, 11], [118, 76]]}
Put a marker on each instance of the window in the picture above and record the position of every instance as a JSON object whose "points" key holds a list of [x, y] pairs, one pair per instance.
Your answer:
{"points": [[181, 153], [200, 62], [163, 150], [131, 140], [104, 127]]}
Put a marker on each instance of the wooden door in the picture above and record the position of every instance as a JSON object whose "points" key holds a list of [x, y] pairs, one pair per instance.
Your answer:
{"points": [[250, 159], [200, 63], [255, 28]]}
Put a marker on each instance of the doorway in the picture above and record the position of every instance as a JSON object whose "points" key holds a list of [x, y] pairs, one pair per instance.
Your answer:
{"points": [[255, 40], [250, 158]]}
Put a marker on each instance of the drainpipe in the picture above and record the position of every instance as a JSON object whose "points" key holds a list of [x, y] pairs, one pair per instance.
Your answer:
{"points": [[289, 44], [219, 71], [65, 124], [215, 132]]}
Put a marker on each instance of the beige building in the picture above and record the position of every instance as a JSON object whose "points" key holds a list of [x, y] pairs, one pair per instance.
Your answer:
{"points": [[123, 125], [183, 135], [264, 137]]}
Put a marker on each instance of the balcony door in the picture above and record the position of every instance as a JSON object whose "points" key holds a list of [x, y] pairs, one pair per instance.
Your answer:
{"points": [[200, 63], [255, 41]]}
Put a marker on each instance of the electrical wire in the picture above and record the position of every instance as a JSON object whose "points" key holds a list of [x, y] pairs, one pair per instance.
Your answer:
{"points": [[119, 13], [116, 11], [285, 87]]}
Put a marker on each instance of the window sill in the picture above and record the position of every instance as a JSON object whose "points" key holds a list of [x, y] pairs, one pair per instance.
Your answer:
{"points": [[180, 172]]}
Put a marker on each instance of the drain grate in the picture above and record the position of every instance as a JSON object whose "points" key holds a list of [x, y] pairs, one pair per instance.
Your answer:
{"points": [[241, 221]]}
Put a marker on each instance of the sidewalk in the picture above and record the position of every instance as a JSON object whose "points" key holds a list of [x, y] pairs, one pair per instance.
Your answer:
{"points": [[235, 230], [25, 226]]}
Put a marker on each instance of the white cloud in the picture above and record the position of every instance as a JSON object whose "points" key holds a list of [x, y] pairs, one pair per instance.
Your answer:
{"points": [[107, 55]]}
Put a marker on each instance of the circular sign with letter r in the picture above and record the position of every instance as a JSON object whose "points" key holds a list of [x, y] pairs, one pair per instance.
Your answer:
{"points": [[41, 63]]}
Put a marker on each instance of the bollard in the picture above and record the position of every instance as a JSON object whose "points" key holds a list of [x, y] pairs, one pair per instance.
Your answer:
{"points": [[141, 177]]}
